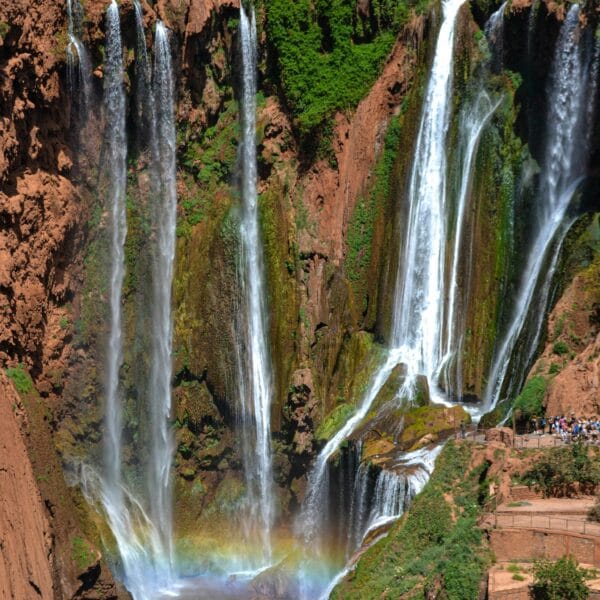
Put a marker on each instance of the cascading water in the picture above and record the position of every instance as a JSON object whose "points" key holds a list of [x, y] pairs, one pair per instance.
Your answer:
{"points": [[416, 336], [473, 121], [392, 494], [494, 28], [159, 478], [417, 330], [563, 166], [142, 527], [114, 105], [255, 369], [79, 68]]}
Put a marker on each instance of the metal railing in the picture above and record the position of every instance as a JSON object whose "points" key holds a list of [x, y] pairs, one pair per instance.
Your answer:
{"points": [[533, 521]]}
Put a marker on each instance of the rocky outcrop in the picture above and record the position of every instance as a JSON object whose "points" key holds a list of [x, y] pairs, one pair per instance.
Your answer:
{"points": [[570, 358]]}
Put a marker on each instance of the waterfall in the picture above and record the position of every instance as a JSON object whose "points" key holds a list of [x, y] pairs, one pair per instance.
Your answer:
{"points": [[494, 28], [392, 496], [79, 68], [562, 169], [159, 479], [255, 371], [114, 105], [419, 293], [416, 337], [473, 121]]}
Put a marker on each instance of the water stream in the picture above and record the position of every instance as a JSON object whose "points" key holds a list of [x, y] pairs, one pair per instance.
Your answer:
{"points": [[115, 106], [165, 216], [255, 380], [416, 335], [79, 69]]}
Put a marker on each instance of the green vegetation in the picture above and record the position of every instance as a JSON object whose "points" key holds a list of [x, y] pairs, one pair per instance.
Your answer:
{"points": [[208, 160], [560, 348], [4, 29], [437, 544], [327, 54], [334, 421], [560, 580], [21, 379], [559, 470], [529, 403], [366, 211], [81, 553]]}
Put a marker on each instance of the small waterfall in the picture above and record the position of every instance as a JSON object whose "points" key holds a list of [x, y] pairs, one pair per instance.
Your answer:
{"points": [[79, 68], [255, 371], [562, 169], [494, 28], [473, 120], [114, 106], [391, 497], [159, 478], [416, 337]]}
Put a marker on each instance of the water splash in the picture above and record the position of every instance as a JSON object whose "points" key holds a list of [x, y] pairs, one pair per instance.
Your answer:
{"points": [[562, 169], [255, 385]]}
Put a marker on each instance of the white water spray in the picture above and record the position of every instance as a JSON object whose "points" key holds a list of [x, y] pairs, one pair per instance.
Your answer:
{"points": [[416, 337]]}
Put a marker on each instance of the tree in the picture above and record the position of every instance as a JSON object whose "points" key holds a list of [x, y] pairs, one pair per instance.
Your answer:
{"points": [[560, 580]]}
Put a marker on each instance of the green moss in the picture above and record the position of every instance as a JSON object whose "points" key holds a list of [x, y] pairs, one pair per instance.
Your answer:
{"points": [[4, 29], [433, 419], [208, 162], [361, 227], [334, 422], [21, 379], [82, 553]]}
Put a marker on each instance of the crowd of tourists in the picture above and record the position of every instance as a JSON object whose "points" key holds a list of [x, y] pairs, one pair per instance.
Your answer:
{"points": [[567, 427]]}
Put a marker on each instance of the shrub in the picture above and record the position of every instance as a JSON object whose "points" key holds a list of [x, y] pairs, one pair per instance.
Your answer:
{"points": [[21, 379], [560, 580], [529, 402], [554, 369], [560, 468], [560, 349], [327, 57]]}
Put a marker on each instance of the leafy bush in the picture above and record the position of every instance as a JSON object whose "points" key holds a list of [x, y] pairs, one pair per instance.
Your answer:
{"points": [[560, 580], [21, 379], [559, 469], [560, 348], [529, 402], [327, 55]]}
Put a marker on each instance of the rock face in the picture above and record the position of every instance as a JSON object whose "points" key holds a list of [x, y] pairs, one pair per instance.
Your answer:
{"points": [[26, 560], [570, 359]]}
